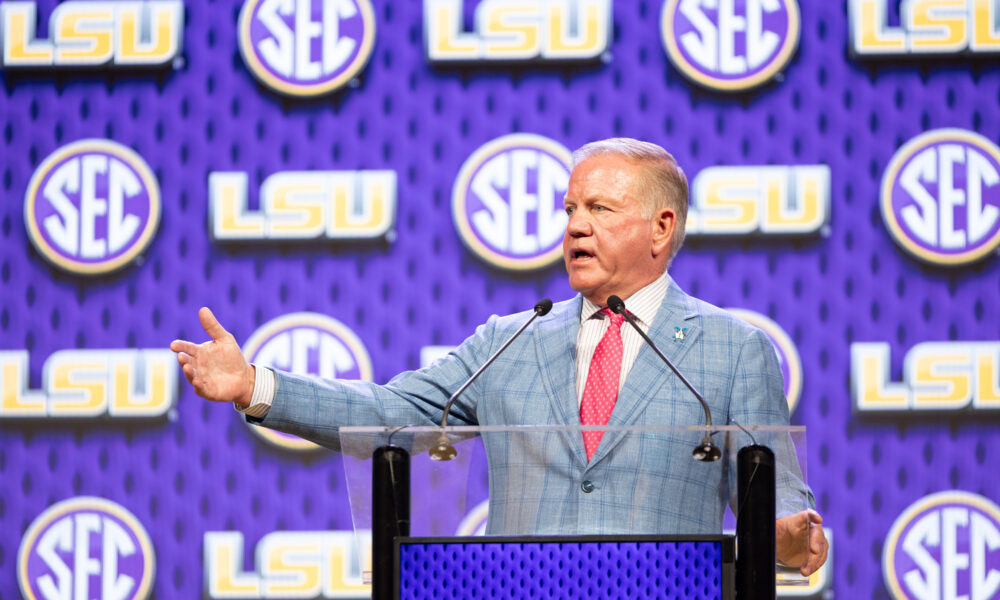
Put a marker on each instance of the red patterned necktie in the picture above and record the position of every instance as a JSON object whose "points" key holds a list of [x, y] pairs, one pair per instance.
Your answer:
{"points": [[601, 390]]}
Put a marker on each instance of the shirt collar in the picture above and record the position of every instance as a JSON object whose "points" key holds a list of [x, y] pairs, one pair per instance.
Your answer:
{"points": [[643, 304]]}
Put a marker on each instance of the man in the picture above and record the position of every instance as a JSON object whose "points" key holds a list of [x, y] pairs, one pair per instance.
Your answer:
{"points": [[627, 205]]}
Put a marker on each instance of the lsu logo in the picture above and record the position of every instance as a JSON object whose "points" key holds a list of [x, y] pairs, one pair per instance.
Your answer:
{"points": [[507, 202], [306, 47], [307, 344], [124, 34], [77, 384], [730, 45], [944, 546], [940, 197], [936, 376], [84, 548], [290, 564], [788, 354], [92, 207], [770, 200], [926, 27], [304, 205], [512, 30]]}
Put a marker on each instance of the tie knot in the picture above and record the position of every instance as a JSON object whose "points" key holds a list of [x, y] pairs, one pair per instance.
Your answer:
{"points": [[616, 319]]}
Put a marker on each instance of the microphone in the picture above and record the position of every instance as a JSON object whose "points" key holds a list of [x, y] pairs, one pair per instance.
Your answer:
{"points": [[443, 450], [706, 451]]}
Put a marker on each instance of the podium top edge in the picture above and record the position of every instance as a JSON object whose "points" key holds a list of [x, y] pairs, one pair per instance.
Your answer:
{"points": [[468, 429]]}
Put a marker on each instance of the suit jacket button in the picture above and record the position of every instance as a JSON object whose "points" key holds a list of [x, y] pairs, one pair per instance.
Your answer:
{"points": [[587, 486]]}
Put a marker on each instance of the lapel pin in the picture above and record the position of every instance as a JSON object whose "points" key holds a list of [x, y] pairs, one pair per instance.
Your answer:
{"points": [[680, 334]]}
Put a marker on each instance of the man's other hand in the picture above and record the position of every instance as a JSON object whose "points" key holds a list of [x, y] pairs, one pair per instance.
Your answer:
{"points": [[216, 369], [800, 541]]}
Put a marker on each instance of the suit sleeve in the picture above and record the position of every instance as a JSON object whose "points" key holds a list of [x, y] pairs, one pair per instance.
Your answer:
{"points": [[314, 408], [758, 398]]}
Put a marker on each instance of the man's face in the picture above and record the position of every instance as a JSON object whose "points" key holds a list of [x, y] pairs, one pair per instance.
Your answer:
{"points": [[609, 248]]}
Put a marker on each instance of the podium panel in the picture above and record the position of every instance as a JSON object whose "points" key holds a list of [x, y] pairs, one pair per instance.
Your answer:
{"points": [[689, 567]]}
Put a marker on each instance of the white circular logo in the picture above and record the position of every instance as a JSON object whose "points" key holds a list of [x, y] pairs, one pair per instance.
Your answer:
{"points": [[92, 207], [307, 344], [306, 47], [946, 545], [730, 45], [941, 197], [507, 201], [86, 547]]}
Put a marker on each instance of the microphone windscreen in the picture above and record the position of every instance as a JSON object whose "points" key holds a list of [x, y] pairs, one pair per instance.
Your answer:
{"points": [[543, 307], [616, 304]]}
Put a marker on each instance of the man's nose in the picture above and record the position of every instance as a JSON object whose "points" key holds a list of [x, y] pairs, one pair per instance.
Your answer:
{"points": [[578, 225]]}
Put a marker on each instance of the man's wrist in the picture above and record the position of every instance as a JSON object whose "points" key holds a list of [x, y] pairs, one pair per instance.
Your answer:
{"points": [[244, 401], [262, 393]]}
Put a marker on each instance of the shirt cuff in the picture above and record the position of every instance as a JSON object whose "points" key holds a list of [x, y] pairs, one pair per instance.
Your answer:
{"points": [[263, 393]]}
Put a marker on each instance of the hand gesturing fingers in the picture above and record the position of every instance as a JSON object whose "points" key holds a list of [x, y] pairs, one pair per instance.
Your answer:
{"points": [[216, 369]]}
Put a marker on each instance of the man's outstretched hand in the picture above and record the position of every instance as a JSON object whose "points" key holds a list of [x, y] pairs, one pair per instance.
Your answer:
{"points": [[216, 369], [801, 542]]}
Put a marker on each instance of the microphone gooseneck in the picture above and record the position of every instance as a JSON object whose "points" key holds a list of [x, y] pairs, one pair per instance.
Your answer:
{"points": [[443, 450], [706, 451]]}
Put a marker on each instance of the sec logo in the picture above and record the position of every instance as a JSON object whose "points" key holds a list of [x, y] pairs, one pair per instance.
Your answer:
{"points": [[507, 201], [940, 197], [307, 344], [306, 47], [946, 545], [85, 547], [784, 347], [730, 45], [92, 207]]}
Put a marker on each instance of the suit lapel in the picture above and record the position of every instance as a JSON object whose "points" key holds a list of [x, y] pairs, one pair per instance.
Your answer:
{"points": [[556, 348], [648, 374]]}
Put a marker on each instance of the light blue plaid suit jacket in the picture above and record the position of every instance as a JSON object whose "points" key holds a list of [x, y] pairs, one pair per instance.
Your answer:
{"points": [[641, 484]]}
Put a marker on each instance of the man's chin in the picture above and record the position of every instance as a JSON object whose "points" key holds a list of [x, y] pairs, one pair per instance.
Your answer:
{"points": [[580, 284], [590, 292]]}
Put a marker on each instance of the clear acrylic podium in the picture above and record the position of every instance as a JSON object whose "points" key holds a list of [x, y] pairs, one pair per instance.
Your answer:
{"points": [[426, 510]]}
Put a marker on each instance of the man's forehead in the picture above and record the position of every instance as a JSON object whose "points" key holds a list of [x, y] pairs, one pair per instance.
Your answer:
{"points": [[607, 160], [604, 172], [602, 182]]}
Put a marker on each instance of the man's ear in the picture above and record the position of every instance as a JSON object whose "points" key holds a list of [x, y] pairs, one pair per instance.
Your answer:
{"points": [[663, 223]]}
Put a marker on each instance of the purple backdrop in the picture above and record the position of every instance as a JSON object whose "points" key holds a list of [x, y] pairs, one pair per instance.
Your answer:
{"points": [[198, 469]]}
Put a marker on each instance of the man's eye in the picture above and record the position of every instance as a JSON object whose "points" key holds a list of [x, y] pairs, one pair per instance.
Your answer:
{"points": [[599, 208], [570, 210]]}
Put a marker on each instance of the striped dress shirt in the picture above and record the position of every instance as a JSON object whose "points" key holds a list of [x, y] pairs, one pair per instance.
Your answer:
{"points": [[593, 324]]}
